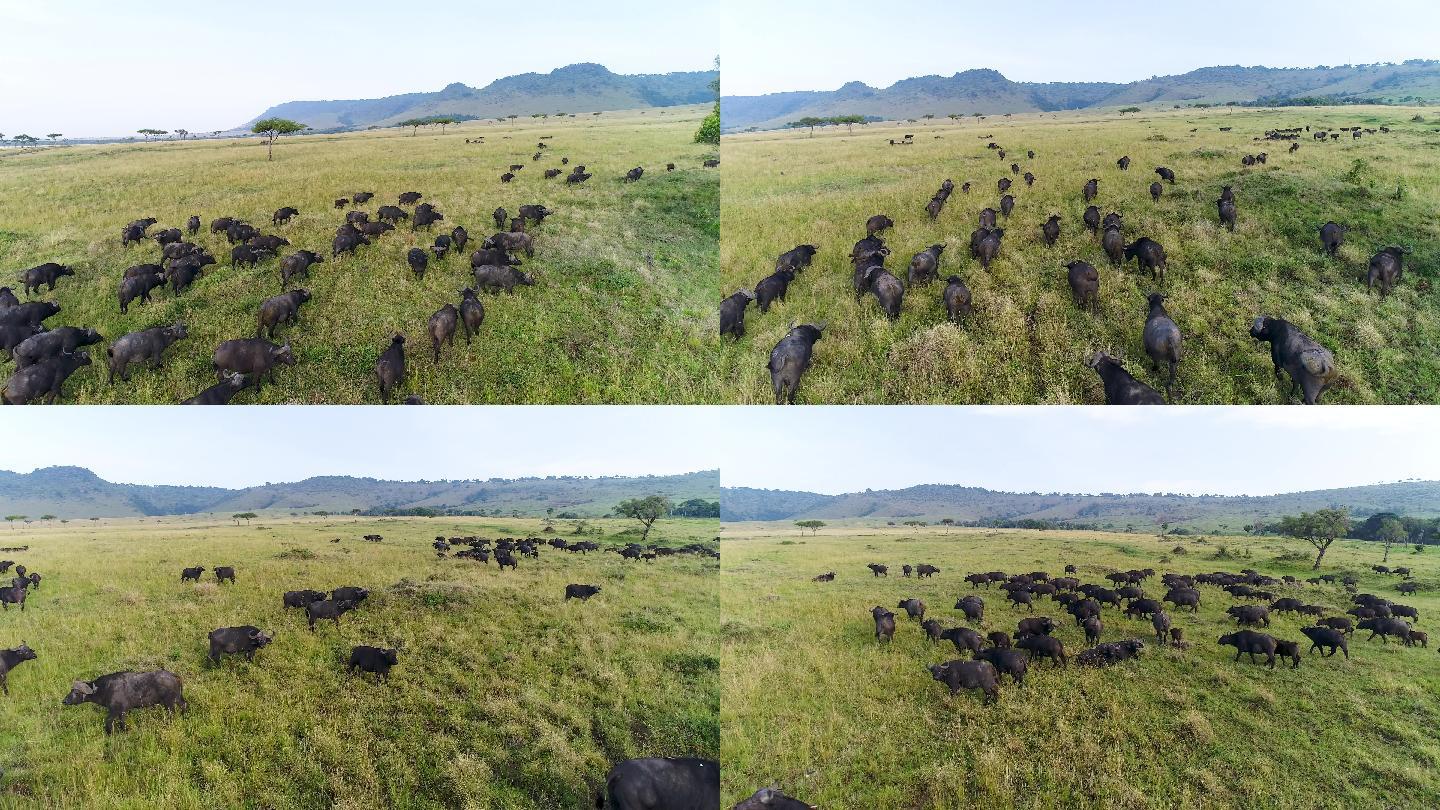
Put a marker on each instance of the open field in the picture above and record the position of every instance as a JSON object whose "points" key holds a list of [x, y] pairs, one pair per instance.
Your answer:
{"points": [[506, 696], [812, 703], [1027, 341], [621, 311]]}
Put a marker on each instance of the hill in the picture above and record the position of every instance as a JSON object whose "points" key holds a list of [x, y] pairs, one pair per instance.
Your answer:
{"points": [[75, 492], [580, 88], [932, 502], [988, 92]]}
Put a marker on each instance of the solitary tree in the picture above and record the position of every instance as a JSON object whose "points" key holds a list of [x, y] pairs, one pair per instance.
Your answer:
{"points": [[1124, 110], [443, 121], [808, 121], [12, 518], [148, 131], [647, 510], [272, 128], [1319, 529], [47, 517], [1391, 531], [813, 525], [245, 516], [55, 135], [414, 124], [182, 133], [25, 140]]}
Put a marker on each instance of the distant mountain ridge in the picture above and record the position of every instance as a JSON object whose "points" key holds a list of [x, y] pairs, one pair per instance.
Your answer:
{"points": [[579, 88], [933, 502], [76, 492], [988, 92]]}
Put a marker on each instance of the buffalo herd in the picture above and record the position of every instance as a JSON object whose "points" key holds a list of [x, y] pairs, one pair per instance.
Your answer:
{"points": [[629, 783], [46, 356], [1310, 366], [1000, 653]]}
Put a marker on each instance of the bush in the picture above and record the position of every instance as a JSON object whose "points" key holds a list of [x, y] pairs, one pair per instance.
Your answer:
{"points": [[709, 131]]}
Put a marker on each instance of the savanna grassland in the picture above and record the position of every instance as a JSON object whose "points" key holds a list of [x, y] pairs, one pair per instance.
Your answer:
{"points": [[505, 696], [1026, 341], [621, 312], [812, 703]]}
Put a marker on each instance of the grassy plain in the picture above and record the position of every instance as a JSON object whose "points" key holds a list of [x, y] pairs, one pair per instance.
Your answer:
{"points": [[506, 695], [622, 312], [1027, 342], [812, 703]]}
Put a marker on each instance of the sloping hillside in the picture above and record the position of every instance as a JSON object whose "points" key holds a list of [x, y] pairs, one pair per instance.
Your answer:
{"points": [[988, 92], [580, 88], [75, 492], [933, 502]]}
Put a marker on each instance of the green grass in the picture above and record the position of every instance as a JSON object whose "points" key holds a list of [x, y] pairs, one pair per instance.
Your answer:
{"points": [[506, 696], [622, 311], [1027, 341], [812, 703]]}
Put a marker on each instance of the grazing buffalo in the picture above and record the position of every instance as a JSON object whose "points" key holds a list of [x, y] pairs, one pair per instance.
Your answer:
{"points": [[1044, 647], [581, 592], [11, 658], [1084, 284], [1385, 269], [957, 299], [1051, 229], [442, 327], [772, 799], [244, 640], [1148, 255], [1091, 190], [1250, 614], [1322, 637], [225, 572], [878, 223], [501, 277], [1093, 627], [732, 313], [963, 638], [884, 623], [914, 608], [43, 380], [283, 308], [372, 659], [47, 345], [791, 358], [925, 265], [1385, 627], [46, 274], [1332, 236], [1162, 338], [390, 367], [1006, 661], [1251, 643], [1110, 652], [998, 638], [1311, 366], [772, 288], [123, 692], [973, 608], [192, 574], [253, 357], [1120, 387], [332, 609], [283, 215], [959, 674], [1165, 174], [663, 784], [1290, 650], [302, 598]]}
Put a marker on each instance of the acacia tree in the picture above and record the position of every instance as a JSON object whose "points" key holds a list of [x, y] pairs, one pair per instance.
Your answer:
{"points": [[443, 121], [414, 124], [808, 121], [272, 128], [12, 518], [647, 510], [148, 131], [1391, 531], [245, 516], [813, 525], [1319, 529], [55, 135]]}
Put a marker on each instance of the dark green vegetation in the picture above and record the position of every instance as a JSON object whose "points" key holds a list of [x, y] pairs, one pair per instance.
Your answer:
{"points": [[812, 703], [75, 492], [621, 310], [987, 92], [505, 696], [936, 502], [579, 89], [1026, 341]]}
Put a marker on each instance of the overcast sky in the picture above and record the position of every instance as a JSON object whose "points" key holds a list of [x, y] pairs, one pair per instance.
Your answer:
{"points": [[1249, 450], [99, 67], [821, 44], [244, 446]]}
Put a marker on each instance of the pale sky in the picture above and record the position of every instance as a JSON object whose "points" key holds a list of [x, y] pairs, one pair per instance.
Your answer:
{"points": [[821, 44], [242, 446], [1248, 450], [99, 67]]}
